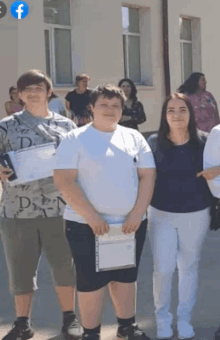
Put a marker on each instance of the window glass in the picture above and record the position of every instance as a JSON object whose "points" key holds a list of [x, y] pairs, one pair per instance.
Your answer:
{"points": [[125, 19], [130, 20], [185, 29], [63, 56], [187, 60], [133, 20], [134, 58], [47, 50], [57, 12]]}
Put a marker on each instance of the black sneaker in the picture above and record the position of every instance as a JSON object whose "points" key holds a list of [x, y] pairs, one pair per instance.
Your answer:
{"points": [[19, 332], [72, 329], [217, 334], [131, 333]]}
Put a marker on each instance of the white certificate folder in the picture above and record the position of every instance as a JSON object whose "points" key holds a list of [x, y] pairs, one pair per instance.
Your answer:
{"points": [[115, 250], [33, 163]]}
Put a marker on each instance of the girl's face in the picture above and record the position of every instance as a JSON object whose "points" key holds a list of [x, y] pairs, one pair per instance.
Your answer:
{"points": [[177, 114], [14, 95], [202, 83], [126, 87]]}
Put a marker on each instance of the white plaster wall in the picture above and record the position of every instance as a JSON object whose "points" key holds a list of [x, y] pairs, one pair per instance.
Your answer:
{"points": [[208, 12], [22, 47]]}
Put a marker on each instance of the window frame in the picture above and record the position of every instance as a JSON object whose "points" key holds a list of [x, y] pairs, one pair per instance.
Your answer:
{"points": [[183, 41], [127, 33], [51, 28]]}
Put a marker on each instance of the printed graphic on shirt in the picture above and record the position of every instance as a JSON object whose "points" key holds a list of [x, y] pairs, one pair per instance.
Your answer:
{"points": [[38, 198]]}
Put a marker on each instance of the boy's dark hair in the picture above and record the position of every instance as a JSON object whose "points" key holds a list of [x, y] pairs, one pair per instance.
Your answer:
{"points": [[107, 91], [34, 77], [81, 76]]}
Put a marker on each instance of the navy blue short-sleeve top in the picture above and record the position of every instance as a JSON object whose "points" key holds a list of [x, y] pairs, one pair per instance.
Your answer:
{"points": [[177, 189]]}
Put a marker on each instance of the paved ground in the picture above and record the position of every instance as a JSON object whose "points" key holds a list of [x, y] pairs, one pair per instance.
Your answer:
{"points": [[47, 317]]}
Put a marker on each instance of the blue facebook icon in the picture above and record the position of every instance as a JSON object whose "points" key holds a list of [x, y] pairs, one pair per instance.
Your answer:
{"points": [[19, 9]]}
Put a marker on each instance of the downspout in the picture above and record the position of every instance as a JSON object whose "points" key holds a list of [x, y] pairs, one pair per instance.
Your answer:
{"points": [[166, 47]]}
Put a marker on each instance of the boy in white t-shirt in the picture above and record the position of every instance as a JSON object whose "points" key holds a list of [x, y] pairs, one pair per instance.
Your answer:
{"points": [[106, 174]]}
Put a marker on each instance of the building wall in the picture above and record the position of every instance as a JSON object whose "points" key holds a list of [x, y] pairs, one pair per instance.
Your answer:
{"points": [[22, 47], [208, 13], [98, 50]]}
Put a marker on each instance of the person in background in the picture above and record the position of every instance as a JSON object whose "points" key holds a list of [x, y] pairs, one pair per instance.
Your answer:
{"points": [[106, 174], [15, 104], [212, 173], [77, 101], [31, 213], [179, 213], [55, 105], [203, 102], [133, 111]]}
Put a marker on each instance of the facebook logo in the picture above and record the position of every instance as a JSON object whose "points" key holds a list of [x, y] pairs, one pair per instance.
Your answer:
{"points": [[19, 9]]}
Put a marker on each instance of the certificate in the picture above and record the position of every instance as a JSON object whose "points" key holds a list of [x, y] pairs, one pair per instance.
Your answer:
{"points": [[35, 162], [115, 250]]}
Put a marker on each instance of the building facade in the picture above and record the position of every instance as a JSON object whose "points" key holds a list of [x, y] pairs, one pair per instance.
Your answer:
{"points": [[111, 39]]}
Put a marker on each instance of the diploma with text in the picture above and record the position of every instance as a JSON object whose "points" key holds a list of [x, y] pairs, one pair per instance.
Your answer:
{"points": [[33, 163], [115, 250]]}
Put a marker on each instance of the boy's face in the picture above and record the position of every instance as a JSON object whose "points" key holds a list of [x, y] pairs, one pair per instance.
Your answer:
{"points": [[35, 94], [107, 111]]}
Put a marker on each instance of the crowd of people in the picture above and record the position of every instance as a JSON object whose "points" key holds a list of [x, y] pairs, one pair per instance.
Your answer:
{"points": [[105, 173]]}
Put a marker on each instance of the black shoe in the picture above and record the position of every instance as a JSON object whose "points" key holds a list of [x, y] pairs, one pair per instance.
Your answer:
{"points": [[131, 333], [19, 332], [72, 329], [91, 337], [217, 334]]}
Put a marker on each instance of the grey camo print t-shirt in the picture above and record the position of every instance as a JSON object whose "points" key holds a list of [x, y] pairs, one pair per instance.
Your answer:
{"points": [[38, 198]]}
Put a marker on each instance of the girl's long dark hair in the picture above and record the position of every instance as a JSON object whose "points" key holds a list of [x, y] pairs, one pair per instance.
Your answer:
{"points": [[133, 94], [164, 129], [190, 86]]}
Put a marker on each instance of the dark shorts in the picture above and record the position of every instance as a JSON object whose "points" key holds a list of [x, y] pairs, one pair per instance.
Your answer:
{"points": [[82, 243]]}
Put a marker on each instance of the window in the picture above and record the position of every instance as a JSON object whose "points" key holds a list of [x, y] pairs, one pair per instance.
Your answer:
{"points": [[58, 41], [131, 43], [186, 47], [137, 44]]}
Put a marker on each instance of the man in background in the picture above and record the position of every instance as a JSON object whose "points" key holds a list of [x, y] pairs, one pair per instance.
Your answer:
{"points": [[77, 101]]}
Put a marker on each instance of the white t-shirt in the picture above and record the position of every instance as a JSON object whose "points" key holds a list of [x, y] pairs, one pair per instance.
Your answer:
{"points": [[55, 105], [212, 158], [107, 165]]}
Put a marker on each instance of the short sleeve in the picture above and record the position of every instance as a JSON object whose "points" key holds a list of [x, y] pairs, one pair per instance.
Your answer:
{"points": [[67, 154], [68, 96], [145, 155], [212, 158]]}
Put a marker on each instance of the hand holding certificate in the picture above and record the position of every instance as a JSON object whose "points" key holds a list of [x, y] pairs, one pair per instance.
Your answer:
{"points": [[33, 163], [115, 250]]}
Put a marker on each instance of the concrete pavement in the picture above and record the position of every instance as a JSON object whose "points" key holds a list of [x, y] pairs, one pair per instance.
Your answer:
{"points": [[47, 317]]}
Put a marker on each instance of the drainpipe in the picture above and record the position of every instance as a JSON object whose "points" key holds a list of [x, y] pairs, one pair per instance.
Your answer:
{"points": [[166, 47]]}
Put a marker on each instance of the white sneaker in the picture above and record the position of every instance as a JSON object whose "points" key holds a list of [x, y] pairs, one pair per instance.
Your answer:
{"points": [[164, 330], [185, 330]]}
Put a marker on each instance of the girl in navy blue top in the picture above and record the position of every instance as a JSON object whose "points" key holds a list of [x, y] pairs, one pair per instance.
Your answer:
{"points": [[179, 214]]}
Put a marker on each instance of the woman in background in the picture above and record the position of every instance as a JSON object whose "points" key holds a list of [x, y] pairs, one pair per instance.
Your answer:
{"points": [[15, 104], [133, 111], [203, 102]]}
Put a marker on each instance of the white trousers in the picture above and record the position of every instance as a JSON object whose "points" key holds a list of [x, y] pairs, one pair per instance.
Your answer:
{"points": [[176, 240]]}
